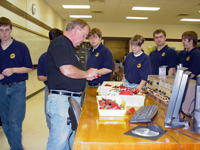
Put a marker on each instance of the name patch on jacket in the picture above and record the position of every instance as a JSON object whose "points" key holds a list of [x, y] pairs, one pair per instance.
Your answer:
{"points": [[139, 66], [97, 54], [12, 56], [188, 58]]}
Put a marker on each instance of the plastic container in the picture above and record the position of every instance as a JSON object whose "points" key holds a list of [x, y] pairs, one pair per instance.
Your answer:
{"points": [[110, 112]]}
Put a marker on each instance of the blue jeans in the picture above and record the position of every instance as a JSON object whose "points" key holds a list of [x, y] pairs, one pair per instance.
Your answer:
{"points": [[45, 107], [128, 84], [132, 85], [12, 112], [57, 109]]}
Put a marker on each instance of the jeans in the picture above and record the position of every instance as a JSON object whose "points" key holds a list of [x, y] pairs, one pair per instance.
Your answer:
{"points": [[12, 112], [128, 84], [57, 109], [45, 108], [132, 85]]}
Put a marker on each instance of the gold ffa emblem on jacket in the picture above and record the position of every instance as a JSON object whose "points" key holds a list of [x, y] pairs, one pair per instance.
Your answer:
{"points": [[97, 54], [139, 66], [188, 58], [12, 56], [163, 54]]}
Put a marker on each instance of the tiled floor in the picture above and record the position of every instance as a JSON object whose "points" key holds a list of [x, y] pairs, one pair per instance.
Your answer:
{"points": [[35, 131]]}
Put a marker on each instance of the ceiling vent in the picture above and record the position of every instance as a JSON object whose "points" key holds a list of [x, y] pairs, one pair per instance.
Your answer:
{"points": [[99, 1], [97, 12], [182, 15]]}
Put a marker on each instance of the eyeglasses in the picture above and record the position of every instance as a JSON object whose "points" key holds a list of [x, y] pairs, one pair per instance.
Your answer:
{"points": [[159, 37], [84, 35]]}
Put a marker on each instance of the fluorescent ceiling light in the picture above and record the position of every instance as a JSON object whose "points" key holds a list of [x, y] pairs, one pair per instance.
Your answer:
{"points": [[146, 8], [76, 6], [141, 18], [80, 16], [190, 19]]}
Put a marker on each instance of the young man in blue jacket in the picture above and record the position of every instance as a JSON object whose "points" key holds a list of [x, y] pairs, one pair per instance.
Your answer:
{"points": [[163, 55], [99, 57], [137, 65], [15, 63], [190, 57]]}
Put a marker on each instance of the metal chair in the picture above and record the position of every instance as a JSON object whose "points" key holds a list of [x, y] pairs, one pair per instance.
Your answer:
{"points": [[74, 113]]}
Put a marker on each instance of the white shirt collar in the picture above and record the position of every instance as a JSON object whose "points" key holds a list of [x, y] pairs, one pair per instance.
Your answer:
{"points": [[138, 54]]}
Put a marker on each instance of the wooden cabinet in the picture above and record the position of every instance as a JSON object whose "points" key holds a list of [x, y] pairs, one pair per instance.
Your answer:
{"points": [[82, 52]]}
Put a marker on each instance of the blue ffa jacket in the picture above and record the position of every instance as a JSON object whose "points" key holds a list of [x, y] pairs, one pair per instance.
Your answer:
{"points": [[16, 55], [137, 68], [190, 60], [165, 57], [100, 58]]}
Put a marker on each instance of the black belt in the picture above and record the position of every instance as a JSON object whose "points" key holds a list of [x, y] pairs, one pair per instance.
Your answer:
{"points": [[66, 93], [92, 84], [9, 84]]}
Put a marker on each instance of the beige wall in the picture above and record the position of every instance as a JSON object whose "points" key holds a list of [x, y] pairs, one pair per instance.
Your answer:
{"points": [[36, 44], [146, 30], [43, 13], [129, 29]]}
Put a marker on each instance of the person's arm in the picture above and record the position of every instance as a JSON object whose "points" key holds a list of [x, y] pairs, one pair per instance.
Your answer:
{"points": [[103, 71], [75, 73], [42, 78], [144, 73], [195, 64], [140, 86], [1, 76], [123, 78], [171, 62], [42, 68], [192, 76], [10, 71], [125, 68], [172, 72]]}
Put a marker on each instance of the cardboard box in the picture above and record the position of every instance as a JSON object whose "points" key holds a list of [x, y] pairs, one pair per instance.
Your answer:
{"points": [[110, 112], [131, 100], [134, 100], [108, 90], [113, 83]]}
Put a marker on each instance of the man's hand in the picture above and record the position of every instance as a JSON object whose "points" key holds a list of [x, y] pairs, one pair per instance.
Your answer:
{"points": [[1, 76], [8, 72], [92, 74]]}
